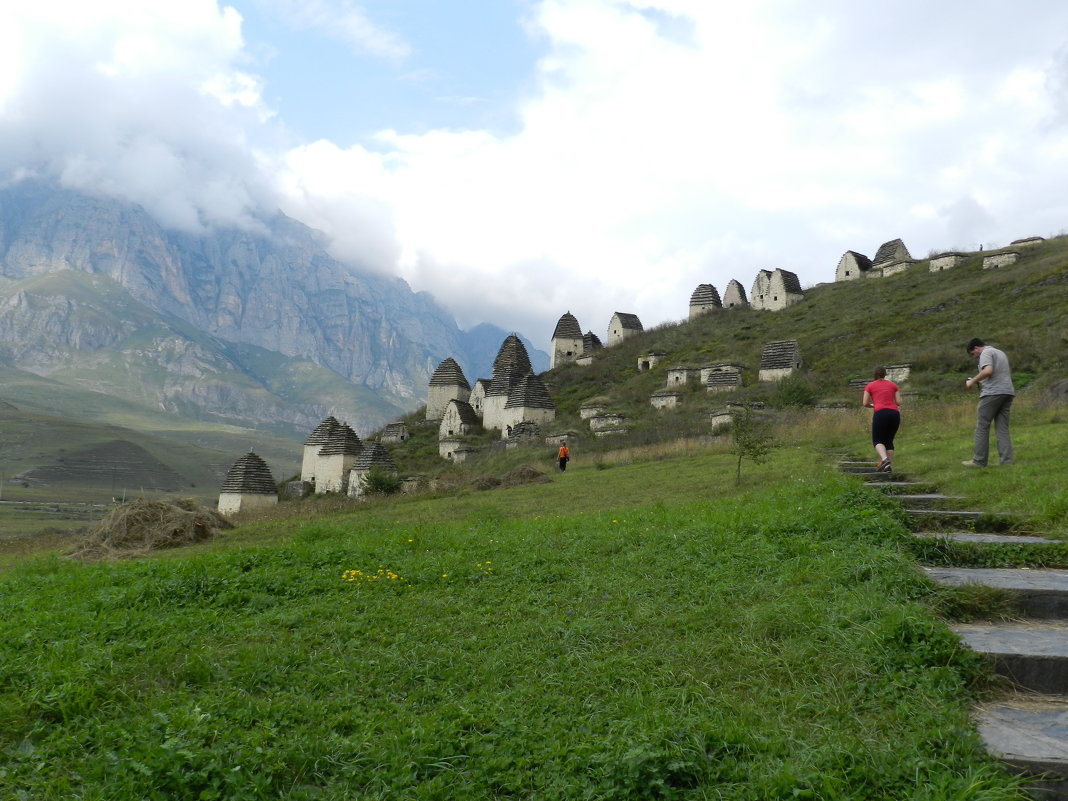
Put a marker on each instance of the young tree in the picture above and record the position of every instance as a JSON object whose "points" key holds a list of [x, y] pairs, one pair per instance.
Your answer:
{"points": [[751, 438]]}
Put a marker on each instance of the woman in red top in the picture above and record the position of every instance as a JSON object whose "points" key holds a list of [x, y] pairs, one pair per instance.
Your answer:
{"points": [[884, 397]]}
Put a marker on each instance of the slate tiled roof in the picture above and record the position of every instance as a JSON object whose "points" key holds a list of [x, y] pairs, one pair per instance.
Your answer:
{"points": [[512, 352], [449, 374], [466, 412], [374, 456], [530, 393], [591, 342], [629, 322], [567, 328], [894, 250], [250, 476], [343, 442], [511, 364], [705, 295], [790, 281], [504, 378], [322, 431], [724, 379], [394, 431], [780, 355]]}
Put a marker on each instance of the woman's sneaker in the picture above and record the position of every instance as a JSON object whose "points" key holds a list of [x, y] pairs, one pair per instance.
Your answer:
{"points": [[884, 466]]}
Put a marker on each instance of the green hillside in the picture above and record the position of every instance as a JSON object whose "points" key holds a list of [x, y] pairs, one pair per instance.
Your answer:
{"points": [[640, 627], [637, 627], [846, 329]]}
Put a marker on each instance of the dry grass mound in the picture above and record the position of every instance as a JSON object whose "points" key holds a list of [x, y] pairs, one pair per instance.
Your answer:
{"points": [[524, 474], [139, 528]]}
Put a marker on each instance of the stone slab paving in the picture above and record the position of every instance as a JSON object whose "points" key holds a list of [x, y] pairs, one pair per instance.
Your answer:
{"points": [[895, 486], [925, 497], [1033, 656], [1027, 732], [1009, 578], [1019, 638], [967, 536], [943, 514], [1041, 593]]}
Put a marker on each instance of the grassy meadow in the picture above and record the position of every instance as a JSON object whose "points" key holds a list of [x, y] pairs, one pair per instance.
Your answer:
{"points": [[640, 627]]}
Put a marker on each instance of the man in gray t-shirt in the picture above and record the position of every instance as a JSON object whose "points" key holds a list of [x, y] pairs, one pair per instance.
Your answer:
{"points": [[995, 399]]}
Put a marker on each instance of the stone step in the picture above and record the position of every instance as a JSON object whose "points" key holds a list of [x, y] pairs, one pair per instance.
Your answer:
{"points": [[942, 515], [1029, 734], [858, 467], [1039, 593], [875, 477], [897, 486], [1033, 656], [925, 500], [970, 536]]}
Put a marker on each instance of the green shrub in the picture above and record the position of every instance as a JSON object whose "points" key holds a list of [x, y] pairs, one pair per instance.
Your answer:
{"points": [[380, 482]]}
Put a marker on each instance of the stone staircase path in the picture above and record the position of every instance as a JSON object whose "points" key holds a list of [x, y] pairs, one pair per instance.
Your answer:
{"points": [[1028, 729]]}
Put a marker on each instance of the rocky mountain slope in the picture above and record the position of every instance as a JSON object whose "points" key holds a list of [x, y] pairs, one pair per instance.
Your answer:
{"points": [[261, 328]]}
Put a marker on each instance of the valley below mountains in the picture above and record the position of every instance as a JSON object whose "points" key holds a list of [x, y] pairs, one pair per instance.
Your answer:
{"points": [[259, 329]]}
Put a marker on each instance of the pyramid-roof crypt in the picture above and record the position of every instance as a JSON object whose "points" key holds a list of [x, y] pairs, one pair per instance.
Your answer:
{"points": [[512, 353], [449, 373], [567, 327], [322, 431], [374, 456], [250, 475], [566, 343], [705, 294], [343, 441], [510, 365]]}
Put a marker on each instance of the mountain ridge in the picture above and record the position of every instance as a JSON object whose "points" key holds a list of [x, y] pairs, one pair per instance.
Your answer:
{"points": [[94, 292]]}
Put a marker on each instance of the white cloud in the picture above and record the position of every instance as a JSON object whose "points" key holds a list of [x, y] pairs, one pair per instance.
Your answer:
{"points": [[344, 22], [661, 143]]}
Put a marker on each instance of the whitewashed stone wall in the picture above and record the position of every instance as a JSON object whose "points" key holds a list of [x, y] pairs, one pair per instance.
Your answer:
{"points": [[848, 268], [451, 423], [565, 350], [603, 422], [478, 397], [945, 261], [995, 260], [776, 375], [438, 398], [665, 400], [648, 361], [332, 473], [520, 414], [448, 447], [233, 502], [676, 376], [592, 410]]}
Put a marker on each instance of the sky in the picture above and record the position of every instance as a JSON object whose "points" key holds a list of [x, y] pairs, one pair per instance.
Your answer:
{"points": [[519, 159]]}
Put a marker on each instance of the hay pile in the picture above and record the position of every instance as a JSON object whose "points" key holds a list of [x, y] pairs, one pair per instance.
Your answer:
{"points": [[517, 476], [141, 527], [524, 474]]}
